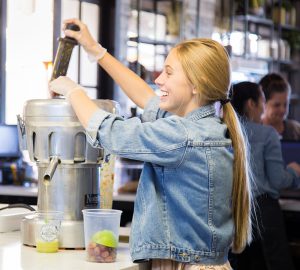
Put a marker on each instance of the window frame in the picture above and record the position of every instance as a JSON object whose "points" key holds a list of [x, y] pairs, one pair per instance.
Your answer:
{"points": [[3, 24]]}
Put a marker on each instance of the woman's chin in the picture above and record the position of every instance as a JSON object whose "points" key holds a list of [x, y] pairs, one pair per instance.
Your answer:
{"points": [[279, 119], [163, 105]]}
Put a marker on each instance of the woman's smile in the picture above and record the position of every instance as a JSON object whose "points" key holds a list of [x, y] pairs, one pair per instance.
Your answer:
{"points": [[163, 95]]}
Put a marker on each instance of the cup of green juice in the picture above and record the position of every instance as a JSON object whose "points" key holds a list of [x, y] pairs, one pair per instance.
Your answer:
{"points": [[101, 234], [47, 229]]}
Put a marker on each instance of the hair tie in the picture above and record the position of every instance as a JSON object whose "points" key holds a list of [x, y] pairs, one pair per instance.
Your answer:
{"points": [[224, 101]]}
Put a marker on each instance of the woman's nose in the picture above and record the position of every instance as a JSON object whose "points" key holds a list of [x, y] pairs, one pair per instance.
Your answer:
{"points": [[158, 80]]}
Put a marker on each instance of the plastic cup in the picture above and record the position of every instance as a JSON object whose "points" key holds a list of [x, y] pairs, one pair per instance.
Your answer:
{"points": [[101, 234], [47, 229]]}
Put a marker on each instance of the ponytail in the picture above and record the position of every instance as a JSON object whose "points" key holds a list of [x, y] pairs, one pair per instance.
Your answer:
{"points": [[241, 189]]}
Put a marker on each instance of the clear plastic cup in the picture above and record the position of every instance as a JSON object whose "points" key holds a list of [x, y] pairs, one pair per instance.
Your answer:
{"points": [[101, 234], [47, 229]]}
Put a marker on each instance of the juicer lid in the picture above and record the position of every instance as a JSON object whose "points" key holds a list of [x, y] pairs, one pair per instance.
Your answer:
{"points": [[59, 107]]}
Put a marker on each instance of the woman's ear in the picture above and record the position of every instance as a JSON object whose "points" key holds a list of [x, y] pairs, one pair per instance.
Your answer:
{"points": [[252, 104], [250, 107]]}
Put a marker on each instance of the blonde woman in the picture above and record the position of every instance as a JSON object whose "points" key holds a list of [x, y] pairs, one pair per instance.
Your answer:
{"points": [[193, 199]]}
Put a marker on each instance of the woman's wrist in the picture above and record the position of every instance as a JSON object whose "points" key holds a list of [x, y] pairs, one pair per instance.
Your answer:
{"points": [[96, 52], [72, 91]]}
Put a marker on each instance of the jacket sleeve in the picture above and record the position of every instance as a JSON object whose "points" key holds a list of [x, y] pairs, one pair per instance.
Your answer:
{"points": [[152, 111], [279, 176], [162, 142]]}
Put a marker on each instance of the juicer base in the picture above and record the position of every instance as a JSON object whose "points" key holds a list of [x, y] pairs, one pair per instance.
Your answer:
{"points": [[71, 233]]}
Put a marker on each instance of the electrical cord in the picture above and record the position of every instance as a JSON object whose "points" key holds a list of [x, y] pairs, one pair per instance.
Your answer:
{"points": [[18, 205]]}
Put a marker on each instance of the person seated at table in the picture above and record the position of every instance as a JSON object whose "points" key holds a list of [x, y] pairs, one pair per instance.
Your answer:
{"points": [[269, 249], [277, 93]]}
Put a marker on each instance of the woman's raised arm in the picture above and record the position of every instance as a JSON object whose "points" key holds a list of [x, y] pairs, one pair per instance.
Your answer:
{"points": [[132, 85]]}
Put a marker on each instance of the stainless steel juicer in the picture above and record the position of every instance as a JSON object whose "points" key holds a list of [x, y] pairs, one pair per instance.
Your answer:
{"points": [[66, 162]]}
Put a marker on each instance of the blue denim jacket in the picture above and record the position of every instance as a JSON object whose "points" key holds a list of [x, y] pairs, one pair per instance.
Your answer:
{"points": [[270, 174], [183, 202]]}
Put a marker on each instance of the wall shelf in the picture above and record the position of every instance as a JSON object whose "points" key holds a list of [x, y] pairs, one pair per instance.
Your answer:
{"points": [[254, 19], [151, 41]]}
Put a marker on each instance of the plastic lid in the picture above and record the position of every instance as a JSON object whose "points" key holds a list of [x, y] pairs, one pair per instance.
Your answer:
{"points": [[59, 107]]}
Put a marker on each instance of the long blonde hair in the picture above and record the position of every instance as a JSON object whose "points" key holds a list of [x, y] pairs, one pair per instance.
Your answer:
{"points": [[206, 64]]}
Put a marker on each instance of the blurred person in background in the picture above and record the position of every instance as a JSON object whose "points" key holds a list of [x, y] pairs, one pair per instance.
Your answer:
{"points": [[277, 92], [269, 249]]}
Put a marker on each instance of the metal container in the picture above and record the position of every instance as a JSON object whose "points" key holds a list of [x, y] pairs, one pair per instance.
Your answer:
{"points": [[51, 128]]}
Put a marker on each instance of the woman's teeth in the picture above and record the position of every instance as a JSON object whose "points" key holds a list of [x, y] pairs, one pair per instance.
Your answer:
{"points": [[162, 93]]}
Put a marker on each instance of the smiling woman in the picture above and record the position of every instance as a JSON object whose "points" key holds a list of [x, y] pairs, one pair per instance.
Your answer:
{"points": [[277, 92], [187, 153]]}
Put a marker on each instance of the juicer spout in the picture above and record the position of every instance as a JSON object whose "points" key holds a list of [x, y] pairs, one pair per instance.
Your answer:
{"points": [[51, 168]]}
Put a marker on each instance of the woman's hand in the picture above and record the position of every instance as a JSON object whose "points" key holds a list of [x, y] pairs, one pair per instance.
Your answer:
{"points": [[133, 86], [94, 50], [83, 106], [295, 166], [64, 86]]}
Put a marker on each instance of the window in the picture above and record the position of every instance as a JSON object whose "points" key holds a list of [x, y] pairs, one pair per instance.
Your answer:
{"points": [[29, 50], [28, 46]]}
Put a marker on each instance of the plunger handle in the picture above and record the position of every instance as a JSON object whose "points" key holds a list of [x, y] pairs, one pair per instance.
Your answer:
{"points": [[63, 54]]}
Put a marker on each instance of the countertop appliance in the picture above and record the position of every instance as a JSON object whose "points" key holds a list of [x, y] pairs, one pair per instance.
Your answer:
{"points": [[68, 166]]}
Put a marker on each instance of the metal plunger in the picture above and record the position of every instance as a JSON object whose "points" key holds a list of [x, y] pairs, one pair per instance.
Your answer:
{"points": [[63, 54]]}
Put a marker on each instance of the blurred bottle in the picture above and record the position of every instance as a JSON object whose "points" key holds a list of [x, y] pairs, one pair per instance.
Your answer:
{"points": [[107, 171]]}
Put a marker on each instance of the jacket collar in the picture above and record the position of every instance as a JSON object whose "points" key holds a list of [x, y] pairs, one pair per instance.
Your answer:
{"points": [[201, 112]]}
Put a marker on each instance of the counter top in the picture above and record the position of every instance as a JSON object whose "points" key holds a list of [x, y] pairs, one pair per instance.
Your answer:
{"points": [[33, 191], [290, 205], [14, 255], [18, 190]]}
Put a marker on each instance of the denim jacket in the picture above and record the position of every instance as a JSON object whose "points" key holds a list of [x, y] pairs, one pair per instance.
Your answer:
{"points": [[183, 202], [270, 174]]}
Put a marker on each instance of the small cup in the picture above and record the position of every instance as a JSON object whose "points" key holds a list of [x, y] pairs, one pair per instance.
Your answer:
{"points": [[101, 234], [47, 229]]}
